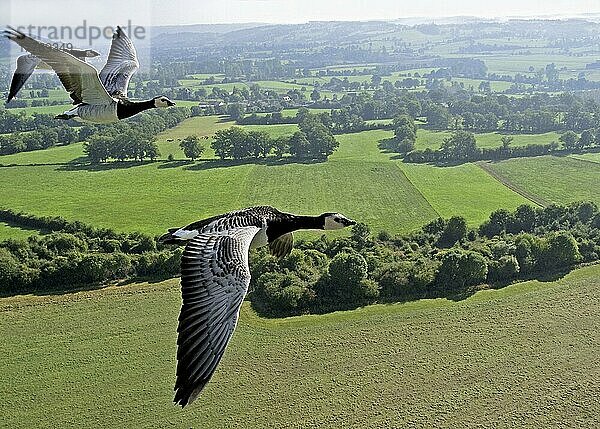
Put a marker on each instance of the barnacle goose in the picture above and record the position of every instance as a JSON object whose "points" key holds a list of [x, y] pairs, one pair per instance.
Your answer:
{"points": [[100, 99], [27, 63], [215, 278]]}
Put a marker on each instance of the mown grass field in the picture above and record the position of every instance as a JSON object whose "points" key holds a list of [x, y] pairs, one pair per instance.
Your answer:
{"points": [[358, 180], [57, 154], [463, 190], [523, 356], [12, 231], [555, 179]]}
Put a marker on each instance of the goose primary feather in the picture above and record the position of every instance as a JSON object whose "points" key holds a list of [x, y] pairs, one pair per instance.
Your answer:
{"points": [[27, 63], [98, 98], [215, 277]]}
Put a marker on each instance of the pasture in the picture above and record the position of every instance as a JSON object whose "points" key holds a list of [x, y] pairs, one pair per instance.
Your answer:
{"points": [[524, 355], [555, 179], [463, 190], [358, 179]]}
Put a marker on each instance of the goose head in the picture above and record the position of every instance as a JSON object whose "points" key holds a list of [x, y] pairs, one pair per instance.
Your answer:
{"points": [[335, 221], [162, 101], [90, 53]]}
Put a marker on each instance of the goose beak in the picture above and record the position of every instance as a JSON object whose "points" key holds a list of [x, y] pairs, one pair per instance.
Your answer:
{"points": [[170, 103], [350, 222]]}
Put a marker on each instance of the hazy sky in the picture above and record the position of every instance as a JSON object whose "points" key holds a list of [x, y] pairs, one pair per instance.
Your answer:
{"points": [[163, 12]]}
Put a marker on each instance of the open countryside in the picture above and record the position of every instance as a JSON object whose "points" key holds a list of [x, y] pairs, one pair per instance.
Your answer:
{"points": [[468, 152]]}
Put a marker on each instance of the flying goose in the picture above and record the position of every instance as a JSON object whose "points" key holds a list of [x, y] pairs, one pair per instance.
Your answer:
{"points": [[215, 278], [27, 63], [100, 98]]}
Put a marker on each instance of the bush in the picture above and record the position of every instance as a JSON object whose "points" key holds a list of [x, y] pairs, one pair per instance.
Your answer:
{"points": [[460, 268]]}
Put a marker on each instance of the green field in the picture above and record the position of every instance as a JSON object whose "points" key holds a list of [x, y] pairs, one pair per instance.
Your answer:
{"points": [[359, 180], [57, 154], [12, 231], [555, 179], [464, 190], [524, 355]]}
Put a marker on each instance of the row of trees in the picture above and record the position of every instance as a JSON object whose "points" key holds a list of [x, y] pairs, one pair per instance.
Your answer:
{"points": [[461, 146], [132, 140], [443, 258], [313, 141], [72, 254]]}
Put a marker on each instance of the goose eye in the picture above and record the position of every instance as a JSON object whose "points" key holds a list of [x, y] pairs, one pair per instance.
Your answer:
{"points": [[337, 219]]}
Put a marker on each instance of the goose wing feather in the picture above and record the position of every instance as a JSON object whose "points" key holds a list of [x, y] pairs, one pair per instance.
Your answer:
{"points": [[214, 280], [79, 78], [26, 64], [121, 64]]}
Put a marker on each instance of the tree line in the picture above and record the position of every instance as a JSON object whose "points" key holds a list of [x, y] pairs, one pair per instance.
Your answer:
{"points": [[72, 254], [313, 141], [134, 139], [461, 146], [443, 258]]}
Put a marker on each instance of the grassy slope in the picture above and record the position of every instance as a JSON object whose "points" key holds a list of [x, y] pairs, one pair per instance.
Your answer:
{"points": [[358, 179], [524, 355], [555, 179], [464, 190], [12, 231]]}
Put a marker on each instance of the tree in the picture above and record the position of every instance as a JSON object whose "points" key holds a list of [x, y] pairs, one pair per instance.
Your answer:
{"points": [[569, 139], [460, 268], [455, 230], [299, 145], [260, 143], [346, 285], [191, 146], [438, 117], [315, 95], [236, 111], [461, 146], [225, 141], [405, 133], [586, 139], [506, 141]]}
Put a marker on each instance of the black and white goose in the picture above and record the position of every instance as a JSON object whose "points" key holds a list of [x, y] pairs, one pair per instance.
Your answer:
{"points": [[27, 63], [215, 278], [99, 99]]}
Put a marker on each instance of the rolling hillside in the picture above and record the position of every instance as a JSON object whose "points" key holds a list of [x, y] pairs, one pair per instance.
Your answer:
{"points": [[524, 355]]}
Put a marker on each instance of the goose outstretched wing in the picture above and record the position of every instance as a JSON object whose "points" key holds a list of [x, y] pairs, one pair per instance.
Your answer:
{"points": [[121, 64], [79, 78], [214, 280], [26, 64]]}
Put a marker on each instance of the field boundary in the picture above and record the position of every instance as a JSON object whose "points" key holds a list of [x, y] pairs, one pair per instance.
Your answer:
{"points": [[417, 189], [486, 166]]}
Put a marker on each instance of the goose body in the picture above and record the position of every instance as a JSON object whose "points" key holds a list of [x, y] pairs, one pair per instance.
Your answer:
{"points": [[99, 98], [215, 277]]}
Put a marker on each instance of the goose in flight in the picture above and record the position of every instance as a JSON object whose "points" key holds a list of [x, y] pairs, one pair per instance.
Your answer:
{"points": [[99, 98], [215, 278], [27, 63]]}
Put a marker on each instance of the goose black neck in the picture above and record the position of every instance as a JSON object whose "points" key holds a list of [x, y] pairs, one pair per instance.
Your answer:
{"points": [[125, 110], [294, 223]]}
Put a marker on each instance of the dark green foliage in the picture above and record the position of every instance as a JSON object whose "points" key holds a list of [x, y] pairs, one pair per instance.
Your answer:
{"points": [[323, 275], [192, 148], [460, 268], [72, 254]]}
